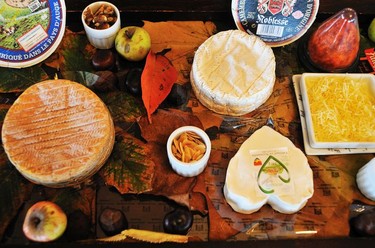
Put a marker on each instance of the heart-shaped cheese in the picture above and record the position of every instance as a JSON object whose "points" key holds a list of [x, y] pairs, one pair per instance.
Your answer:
{"points": [[268, 168]]}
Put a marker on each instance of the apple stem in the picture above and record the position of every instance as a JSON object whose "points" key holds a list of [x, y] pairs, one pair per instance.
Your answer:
{"points": [[129, 32]]}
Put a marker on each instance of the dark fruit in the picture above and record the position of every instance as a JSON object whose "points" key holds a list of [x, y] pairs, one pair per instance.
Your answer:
{"points": [[112, 221], [106, 81], [178, 95], [78, 226], [364, 224], [133, 81], [178, 221], [103, 59], [334, 46]]}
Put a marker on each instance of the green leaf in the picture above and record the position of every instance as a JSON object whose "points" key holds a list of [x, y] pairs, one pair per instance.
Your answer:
{"points": [[129, 167], [17, 80], [123, 106], [76, 53], [14, 191], [86, 78]]}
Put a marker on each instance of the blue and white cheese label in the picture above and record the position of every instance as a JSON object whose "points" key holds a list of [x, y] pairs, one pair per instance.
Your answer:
{"points": [[30, 30], [276, 22]]}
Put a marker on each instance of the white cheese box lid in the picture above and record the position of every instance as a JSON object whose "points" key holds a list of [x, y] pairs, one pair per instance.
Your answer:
{"points": [[30, 31], [276, 22]]}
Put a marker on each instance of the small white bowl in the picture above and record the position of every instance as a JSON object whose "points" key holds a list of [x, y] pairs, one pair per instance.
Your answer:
{"points": [[365, 180], [101, 38], [193, 168]]}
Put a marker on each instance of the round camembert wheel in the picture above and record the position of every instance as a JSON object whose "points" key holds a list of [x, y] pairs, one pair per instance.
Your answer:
{"points": [[233, 72]]}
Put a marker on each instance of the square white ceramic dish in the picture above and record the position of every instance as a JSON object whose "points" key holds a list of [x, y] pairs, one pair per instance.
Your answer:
{"points": [[367, 79], [319, 151]]}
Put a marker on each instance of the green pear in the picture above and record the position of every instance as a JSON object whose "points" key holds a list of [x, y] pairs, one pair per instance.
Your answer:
{"points": [[371, 31]]}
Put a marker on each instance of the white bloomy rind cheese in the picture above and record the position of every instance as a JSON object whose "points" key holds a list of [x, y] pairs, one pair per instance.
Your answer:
{"points": [[365, 179], [58, 133], [268, 168], [233, 72]]}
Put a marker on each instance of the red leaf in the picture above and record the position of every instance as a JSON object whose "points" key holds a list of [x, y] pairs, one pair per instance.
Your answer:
{"points": [[157, 79]]}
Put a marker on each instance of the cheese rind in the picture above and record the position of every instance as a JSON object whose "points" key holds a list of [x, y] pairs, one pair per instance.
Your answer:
{"points": [[241, 189], [365, 179], [233, 73], [58, 133]]}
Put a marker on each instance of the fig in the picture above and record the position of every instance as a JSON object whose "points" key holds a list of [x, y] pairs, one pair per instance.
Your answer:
{"points": [[334, 45], [364, 224], [112, 221], [178, 95], [133, 81], [103, 59], [106, 81], [178, 221]]}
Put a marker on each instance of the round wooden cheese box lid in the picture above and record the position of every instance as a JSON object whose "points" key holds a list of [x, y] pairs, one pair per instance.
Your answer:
{"points": [[58, 133], [277, 23], [30, 31]]}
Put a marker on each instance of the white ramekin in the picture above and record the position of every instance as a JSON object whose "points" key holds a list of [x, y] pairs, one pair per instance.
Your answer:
{"points": [[102, 38], [193, 168]]}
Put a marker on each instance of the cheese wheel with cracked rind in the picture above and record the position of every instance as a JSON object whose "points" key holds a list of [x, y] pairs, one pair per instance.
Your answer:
{"points": [[233, 73], [58, 133]]}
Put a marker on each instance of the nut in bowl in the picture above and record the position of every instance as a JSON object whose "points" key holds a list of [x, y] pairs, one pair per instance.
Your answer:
{"points": [[101, 21], [188, 150]]}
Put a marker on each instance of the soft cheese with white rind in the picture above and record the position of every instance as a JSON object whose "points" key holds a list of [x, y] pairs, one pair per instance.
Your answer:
{"points": [[365, 179], [233, 73], [241, 189]]}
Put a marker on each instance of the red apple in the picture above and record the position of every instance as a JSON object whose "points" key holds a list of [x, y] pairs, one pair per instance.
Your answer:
{"points": [[44, 221]]}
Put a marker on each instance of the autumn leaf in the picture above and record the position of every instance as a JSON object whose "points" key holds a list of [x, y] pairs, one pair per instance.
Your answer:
{"points": [[14, 191], [73, 54], [129, 168], [157, 79], [17, 80], [123, 106]]}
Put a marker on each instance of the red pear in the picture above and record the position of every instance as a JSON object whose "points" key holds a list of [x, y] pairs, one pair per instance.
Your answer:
{"points": [[334, 45]]}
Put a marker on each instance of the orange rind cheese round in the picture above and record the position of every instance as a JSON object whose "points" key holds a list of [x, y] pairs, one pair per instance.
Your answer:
{"points": [[58, 133]]}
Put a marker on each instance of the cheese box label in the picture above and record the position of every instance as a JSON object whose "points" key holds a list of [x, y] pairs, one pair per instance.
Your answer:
{"points": [[30, 31], [270, 170], [276, 22]]}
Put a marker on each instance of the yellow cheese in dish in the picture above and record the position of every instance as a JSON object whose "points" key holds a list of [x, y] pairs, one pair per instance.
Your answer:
{"points": [[342, 108], [58, 133], [268, 169], [233, 73]]}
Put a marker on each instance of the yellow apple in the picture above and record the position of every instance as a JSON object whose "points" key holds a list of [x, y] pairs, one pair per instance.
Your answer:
{"points": [[44, 221], [133, 43], [371, 30]]}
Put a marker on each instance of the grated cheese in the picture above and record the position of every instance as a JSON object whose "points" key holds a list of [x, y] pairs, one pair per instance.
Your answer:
{"points": [[342, 109]]}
